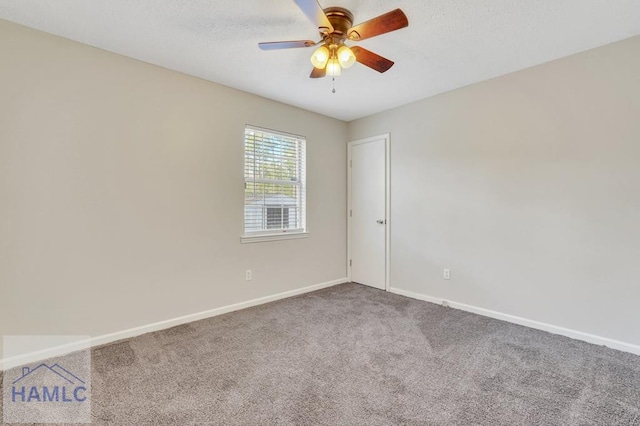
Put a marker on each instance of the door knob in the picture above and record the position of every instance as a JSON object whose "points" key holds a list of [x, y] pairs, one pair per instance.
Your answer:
{"points": [[380, 221]]}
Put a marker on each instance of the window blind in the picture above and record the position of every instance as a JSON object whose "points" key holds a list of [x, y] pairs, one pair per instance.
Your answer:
{"points": [[274, 182]]}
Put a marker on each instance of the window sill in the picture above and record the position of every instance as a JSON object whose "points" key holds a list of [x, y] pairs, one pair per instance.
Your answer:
{"points": [[274, 237]]}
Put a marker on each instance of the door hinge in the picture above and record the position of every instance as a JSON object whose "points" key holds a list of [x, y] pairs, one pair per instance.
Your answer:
{"points": [[350, 262], [350, 163], [350, 213]]}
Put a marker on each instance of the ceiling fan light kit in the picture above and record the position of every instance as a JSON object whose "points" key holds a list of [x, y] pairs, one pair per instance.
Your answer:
{"points": [[333, 68], [323, 56], [346, 57], [320, 57], [335, 25]]}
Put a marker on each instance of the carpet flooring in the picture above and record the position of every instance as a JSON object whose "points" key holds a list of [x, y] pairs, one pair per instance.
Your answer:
{"points": [[353, 355]]}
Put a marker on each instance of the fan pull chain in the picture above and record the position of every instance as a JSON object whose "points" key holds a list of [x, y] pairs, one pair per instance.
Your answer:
{"points": [[333, 79]]}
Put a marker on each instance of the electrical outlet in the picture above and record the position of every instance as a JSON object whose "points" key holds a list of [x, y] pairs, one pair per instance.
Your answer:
{"points": [[248, 275], [447, 274]]}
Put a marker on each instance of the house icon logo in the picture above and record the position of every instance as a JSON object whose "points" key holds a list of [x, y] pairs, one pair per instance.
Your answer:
{"points": [[48, 389], [46, 384]]}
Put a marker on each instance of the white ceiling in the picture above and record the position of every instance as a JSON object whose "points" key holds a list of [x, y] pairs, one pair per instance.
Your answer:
{"points": [[448, 44]]}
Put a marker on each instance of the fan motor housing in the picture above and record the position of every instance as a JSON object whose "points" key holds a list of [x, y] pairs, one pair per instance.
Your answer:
{"points": [[341, 19]]}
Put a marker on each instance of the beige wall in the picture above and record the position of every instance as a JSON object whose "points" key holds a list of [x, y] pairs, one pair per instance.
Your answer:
{"points": [[528, 187], [121, 192]]}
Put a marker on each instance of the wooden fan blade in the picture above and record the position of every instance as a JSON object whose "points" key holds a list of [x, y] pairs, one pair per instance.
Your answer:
{"points": [[372, 60], [386, 23], [318, 73], [274, 45], [316, 15]]}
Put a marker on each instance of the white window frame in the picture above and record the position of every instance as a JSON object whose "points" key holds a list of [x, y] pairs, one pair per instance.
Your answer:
{"points": [[279, 234]]}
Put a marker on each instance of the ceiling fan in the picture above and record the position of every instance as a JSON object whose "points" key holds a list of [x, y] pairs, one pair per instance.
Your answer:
{"points": [[335, 25]]}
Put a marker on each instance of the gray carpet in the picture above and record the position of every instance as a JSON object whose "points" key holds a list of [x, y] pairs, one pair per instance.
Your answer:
{"points": [[353, 355]]}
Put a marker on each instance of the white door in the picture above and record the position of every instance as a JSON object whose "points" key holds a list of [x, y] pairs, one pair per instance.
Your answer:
{"points": [[368, 207]]}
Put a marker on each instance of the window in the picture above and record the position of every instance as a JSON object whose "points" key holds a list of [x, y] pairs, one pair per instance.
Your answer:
{"points": [[274, 183]]}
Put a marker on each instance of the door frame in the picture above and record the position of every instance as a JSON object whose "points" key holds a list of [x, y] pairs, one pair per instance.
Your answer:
{"points": [[387, 143]]}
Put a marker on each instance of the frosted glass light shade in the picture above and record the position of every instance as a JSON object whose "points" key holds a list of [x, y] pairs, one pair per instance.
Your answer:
{"points": [[333, 68], [346, 57], [320, 57]]}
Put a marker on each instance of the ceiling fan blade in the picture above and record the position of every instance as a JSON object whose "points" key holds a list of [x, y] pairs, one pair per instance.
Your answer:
{"points": [[372, 60], [316, 15], [274, 45], [318, 73], [386, 23]]}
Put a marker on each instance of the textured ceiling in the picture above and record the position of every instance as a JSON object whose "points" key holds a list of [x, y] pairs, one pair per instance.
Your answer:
{"points": [[448, 44]]}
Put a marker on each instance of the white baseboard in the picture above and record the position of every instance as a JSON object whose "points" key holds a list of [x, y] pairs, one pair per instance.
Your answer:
{"points": [[32, 357], [554, 329]]}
